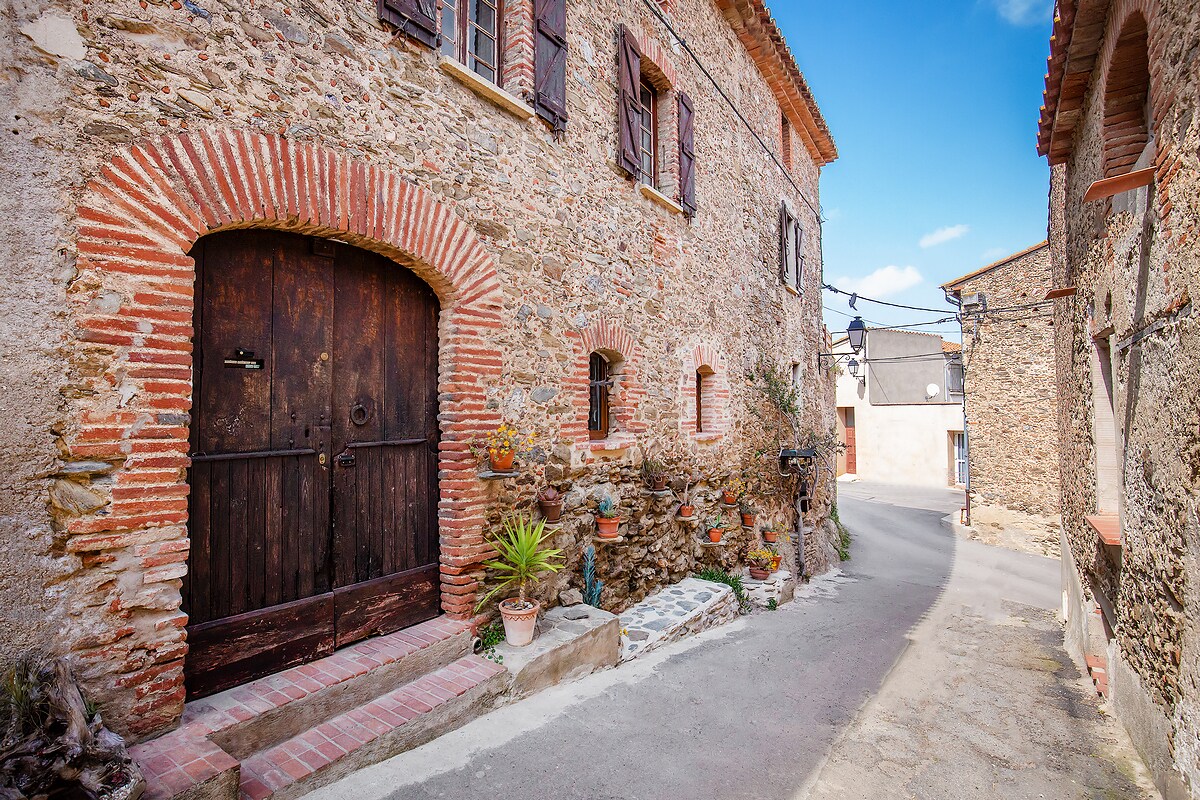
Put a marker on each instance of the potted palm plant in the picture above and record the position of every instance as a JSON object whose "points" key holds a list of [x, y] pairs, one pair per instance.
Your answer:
{"points": [[522, 555]]}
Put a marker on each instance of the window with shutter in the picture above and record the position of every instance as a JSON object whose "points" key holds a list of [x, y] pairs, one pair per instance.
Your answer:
{"points": [[648, 135], [791, 240], [550, 62], [471, 34], [629, 101], [415, 18], [687, 155]]}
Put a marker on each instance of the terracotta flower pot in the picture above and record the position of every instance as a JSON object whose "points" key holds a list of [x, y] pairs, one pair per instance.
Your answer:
{"points": [[658, 483], [714, 534], [501, 462], [551, 510], [759, 573], [608, 527], [686, 510], [519, 623], [748, 520], [770, 536], [729, 498], [775, 562]]}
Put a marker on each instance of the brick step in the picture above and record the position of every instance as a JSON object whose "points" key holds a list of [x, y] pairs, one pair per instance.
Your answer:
{"points": [[200, 759], [397, 721], [1097, 667]]}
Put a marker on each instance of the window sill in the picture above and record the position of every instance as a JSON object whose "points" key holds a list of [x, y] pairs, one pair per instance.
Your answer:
{"points": [[1107, 527], [792, 289], [654, 194], [707, 437], [611, 444], [485, 88]]}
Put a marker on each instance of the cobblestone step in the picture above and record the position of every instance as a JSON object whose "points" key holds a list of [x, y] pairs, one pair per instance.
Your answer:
{"points": [[685, 609]]}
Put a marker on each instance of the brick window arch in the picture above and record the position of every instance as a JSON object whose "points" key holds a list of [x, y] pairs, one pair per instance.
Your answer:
{"points": [[1128, 117], [606, 347], [705, 395]]}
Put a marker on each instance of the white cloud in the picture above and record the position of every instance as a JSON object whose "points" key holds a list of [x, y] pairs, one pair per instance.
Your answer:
{"points": [[943, 235], [883, 282], [1024, 12]]}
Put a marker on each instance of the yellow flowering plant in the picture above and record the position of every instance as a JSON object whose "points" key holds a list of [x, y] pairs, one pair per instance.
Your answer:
{"points": [[505, 439], [760, 558]]}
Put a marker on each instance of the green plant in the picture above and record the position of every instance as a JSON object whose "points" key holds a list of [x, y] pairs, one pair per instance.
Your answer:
{"points": [[521, 557], [760, 558], [746, 506], [606, 508], [843, 543], [653, 470], [491, 635], [734, 582], [715, 522], [772, 604], [592, 588], [775, 383]]}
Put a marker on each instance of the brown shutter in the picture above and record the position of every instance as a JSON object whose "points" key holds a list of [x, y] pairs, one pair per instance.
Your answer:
{"points": [[550, 61], [797, 255], [629, 76], [416, 18], [687, 155], [785, 242]]}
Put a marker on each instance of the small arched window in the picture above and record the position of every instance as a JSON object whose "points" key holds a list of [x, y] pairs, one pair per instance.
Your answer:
{"points": [[704, 398], [699, 401], [600, 384]]}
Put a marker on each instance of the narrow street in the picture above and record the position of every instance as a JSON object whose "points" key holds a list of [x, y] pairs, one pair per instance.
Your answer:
{"points": [[754, 709]]}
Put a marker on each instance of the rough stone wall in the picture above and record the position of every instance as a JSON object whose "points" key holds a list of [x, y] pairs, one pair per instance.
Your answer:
{"points": [[1136, 262], [1011, 389], [574, 247]]}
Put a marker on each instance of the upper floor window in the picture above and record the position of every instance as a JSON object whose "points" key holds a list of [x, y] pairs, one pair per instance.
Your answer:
{"points": [[648, 139], [785, 131], [791, 258], [955, 383], [471, 34]]}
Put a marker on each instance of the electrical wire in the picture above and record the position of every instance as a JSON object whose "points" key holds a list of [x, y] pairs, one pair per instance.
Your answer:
{"points": [[657, 11], [855, 297]]}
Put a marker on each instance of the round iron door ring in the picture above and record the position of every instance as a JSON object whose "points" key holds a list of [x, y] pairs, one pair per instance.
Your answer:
{"points": [[358, 414]]}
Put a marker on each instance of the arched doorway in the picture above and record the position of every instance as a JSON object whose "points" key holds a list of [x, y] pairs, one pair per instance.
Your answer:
{"points": [[314, 449]]}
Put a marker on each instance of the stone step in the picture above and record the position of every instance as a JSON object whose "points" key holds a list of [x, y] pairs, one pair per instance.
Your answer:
{"points": [[200, 758], [397, 721], [681, 610]]}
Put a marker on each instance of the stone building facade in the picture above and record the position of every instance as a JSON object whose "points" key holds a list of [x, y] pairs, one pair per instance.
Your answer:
{"points": [[137, 133], [1010, 391], [1119, 130]]}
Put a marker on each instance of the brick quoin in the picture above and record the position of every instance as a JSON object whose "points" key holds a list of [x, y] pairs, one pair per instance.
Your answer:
{"points": [[137, 221]]}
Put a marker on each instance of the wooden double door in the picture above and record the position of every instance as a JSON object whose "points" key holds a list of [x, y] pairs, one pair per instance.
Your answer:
{"points": [[313, 502]]}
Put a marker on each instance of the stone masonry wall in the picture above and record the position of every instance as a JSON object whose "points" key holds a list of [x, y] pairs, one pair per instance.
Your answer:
{"points": [[1011, 390], [133, 128], [1135, 259]]}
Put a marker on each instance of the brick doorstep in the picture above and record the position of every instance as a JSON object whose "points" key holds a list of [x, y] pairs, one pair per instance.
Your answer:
{"points": [[308, 725]]}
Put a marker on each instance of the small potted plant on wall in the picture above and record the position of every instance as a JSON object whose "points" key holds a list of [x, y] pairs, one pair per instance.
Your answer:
{"points": [[770, 536], [608, 518], [501, 446], [550, 503], [716, 528], [759, 560], [687, 504], [731, 490], [654, 473], [776, 558], [749, 512], [522, 556]]}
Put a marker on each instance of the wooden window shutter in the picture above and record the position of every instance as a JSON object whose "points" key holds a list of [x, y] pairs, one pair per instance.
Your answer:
{"points": [[797, 255], [786, 244], [629, 75], [416, 18], [687, 155], [550, 62]]}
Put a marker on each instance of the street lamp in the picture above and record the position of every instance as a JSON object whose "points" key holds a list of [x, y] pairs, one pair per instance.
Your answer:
{"points": [[852, 366], [857, 333]]}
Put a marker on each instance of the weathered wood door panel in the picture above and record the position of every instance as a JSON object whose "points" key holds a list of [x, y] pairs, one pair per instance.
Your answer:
{"points": [[307, 350]]}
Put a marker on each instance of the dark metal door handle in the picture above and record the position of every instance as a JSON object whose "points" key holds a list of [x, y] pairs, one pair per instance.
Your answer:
{"points": [[358, 414]]}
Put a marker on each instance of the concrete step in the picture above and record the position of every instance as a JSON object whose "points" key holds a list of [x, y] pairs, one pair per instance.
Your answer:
{"points": [[397, 721], [200, 759]]}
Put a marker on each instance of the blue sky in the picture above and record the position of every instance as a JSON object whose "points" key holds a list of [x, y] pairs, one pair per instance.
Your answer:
{"points": [[934, 108]]}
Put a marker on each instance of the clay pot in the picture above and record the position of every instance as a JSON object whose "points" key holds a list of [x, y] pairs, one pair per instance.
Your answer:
{"points": [[658, 483], [608, 527], [729, 498], [748, 520], [770, 536], [519, 624], [551, 510], [501, 462], [714, 534], [759, 573], [775, 562], [686, 511]]}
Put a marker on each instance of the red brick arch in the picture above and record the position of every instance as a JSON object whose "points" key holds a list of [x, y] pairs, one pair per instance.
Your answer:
{"points": [[708, 360], [131, 305], [611, 339]]}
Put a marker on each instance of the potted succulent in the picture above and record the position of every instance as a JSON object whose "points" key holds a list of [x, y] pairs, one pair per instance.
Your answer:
{"points": [[687, 505], [522, 556], [501, 446], [770, 537], [608, 518], [550, 503], [654, 473], [716, 528], [731, 490], [759, 560], [749, 512]]}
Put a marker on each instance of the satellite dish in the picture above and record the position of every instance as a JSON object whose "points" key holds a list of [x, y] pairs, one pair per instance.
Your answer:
{"points": [[932, 391]]}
